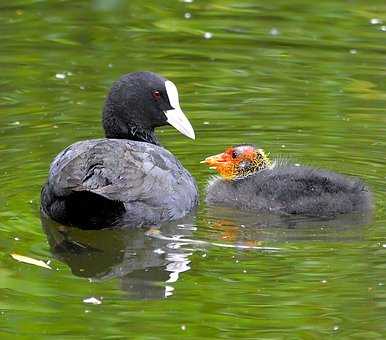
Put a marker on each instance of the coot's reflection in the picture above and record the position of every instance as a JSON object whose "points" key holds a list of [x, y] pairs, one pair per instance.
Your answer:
{"points": [[249, 228], [145, 265]]}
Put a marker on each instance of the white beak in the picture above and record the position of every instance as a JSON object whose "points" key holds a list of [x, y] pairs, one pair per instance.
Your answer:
{"points": [[176, 117]]}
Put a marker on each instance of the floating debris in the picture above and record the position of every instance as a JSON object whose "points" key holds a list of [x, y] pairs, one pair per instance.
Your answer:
{"points": [[29, 260], [375, 21], [187, 15], [274, 31], [383, 28], [60, 76], [353, 51], [92, 300], [208, 35]]}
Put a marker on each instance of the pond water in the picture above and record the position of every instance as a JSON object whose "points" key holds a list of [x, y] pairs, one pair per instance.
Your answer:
{"points": [[305, 80]]}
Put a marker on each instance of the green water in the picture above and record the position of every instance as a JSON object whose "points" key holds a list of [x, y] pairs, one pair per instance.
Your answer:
{"points": [[305, 80]]}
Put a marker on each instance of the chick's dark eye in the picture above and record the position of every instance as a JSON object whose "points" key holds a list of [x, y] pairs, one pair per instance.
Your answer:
{"points": [[234, 154], [156, 95]]}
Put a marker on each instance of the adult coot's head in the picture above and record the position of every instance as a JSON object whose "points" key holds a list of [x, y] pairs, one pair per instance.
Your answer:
{"points": [[138, 103]]}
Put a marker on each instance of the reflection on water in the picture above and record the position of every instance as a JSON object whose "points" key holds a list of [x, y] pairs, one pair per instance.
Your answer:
{"points": [[252, 229], [298, 78], [144, 265], [147, 261]]}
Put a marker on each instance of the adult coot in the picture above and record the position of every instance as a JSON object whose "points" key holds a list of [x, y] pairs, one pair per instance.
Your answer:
{"points": [[126, 177], [250, 181]]}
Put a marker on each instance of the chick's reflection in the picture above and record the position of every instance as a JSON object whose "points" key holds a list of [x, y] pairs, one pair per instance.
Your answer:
{"points": [[249, 229], [145, 263]]}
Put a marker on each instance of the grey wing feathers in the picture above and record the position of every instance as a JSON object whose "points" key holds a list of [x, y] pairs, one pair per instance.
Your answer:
{"points": [[120, 170], [116, 169]]}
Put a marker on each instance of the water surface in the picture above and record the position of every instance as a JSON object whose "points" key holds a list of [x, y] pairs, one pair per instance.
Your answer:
{"points": [[304, 80]]}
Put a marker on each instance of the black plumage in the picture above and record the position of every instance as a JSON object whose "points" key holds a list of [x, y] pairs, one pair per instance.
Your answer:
{"points": [[289, 189], [126, 178]]}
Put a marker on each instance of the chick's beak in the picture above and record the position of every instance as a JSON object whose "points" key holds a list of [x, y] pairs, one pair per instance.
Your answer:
{"points": [[215, 161]]}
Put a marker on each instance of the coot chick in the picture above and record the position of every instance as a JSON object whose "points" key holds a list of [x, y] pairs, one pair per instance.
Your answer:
{"points": [[250, 181], [127, 175]]}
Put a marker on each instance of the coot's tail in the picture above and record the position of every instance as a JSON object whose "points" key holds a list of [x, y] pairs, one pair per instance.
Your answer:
{"points": [[83, 209]]}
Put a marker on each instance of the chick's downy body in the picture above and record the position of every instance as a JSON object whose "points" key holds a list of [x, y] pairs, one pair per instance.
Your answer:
{"points": [[289, 189]]}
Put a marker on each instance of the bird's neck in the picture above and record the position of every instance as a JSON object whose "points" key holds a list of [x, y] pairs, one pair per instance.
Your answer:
{"points": [[115, 128], [141, 135], [136, 134]]}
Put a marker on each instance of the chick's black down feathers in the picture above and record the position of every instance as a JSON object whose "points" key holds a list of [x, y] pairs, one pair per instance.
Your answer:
{"points": [[291, 189]]}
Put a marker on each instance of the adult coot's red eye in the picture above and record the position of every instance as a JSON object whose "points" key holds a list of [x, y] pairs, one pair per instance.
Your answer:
{"points": [[156, 95]]}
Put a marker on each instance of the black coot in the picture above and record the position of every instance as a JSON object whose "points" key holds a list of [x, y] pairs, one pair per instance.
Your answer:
{"points": [[126, 177], [250, 181]]}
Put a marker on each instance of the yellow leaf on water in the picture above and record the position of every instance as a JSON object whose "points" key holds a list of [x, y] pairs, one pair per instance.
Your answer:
{"points": [[30, 260]]}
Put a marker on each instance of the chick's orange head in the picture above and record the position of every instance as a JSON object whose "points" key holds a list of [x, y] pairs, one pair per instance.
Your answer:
{"points": [[238, 161]]}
